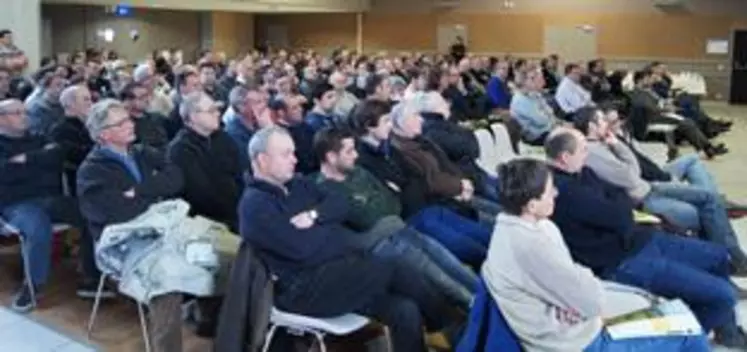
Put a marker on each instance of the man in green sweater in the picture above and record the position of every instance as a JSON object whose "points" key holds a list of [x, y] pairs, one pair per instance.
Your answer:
{"points": [[374, 216]]}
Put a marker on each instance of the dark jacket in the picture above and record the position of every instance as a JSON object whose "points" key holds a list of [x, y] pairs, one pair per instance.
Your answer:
{"points": [[39, 176], [241, 135], [459, 144], [596, 220], [150, 130], [103, 182], [387, 164], [650, 171], [43, 115], [212, 174], [319, 121], [551, 80], [265, 212], [303, 138], [76, 142], [429, 164], [245, 313]]}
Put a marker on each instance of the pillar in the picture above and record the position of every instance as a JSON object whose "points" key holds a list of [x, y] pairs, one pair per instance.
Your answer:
{"points": [[23, 17], [359, 32]]}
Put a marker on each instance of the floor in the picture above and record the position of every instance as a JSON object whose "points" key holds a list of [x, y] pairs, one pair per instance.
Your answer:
{"points": [[58, 325]]}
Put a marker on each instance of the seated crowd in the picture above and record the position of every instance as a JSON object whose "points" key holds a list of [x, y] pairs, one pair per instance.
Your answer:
{"points": [[355, 180]]}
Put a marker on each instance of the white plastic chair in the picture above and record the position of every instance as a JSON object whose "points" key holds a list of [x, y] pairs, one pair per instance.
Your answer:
{"points": [[94, 312], [489, 158], [319, 327], [657, 152], [502, 143]]}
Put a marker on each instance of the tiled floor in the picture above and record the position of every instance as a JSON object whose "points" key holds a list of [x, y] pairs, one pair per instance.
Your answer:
{"points": [[19, 333]]}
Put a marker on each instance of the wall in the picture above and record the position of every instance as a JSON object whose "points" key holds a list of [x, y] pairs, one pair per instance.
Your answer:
{"points": [[298, 6], [320, 31], [630, 28], [629, 33], [75, 28], [22, 17], [232, 32]]}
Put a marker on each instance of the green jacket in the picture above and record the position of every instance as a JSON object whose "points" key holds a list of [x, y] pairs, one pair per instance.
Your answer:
{"points": [[369, 199]]}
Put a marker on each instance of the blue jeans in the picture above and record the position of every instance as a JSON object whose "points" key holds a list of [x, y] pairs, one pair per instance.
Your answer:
{"points": [[689, 168], [426, 256], [604, 343], [695, 271], [695, 208], [466, 239], [34, 219]]}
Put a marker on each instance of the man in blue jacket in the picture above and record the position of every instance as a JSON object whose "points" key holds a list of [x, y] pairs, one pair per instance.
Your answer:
{"points": [[297, 229], [31, 200], [597, 224]]}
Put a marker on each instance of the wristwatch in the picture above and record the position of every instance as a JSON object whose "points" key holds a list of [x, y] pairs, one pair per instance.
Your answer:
{"points": [[313, 214]]}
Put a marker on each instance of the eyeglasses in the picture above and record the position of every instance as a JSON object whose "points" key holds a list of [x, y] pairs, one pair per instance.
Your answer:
{"points": [[210, 110], [13, 112], [117, 124]]}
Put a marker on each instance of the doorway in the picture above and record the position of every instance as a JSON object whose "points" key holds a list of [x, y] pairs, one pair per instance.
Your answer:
{"points": [[738, 86]]}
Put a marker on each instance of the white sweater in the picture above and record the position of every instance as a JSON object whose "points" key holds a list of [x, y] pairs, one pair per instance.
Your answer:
{"points": [[550, 302]]}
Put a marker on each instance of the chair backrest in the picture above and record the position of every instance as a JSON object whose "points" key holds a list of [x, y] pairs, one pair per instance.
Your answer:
{"points": [[503, 145], [488, 159], [487, 330], [514, 132]]}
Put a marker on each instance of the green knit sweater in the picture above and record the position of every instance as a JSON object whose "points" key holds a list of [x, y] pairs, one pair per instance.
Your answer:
{"points": [[369, 199]]}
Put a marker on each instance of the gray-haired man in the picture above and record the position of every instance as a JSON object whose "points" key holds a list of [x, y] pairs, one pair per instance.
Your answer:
{"points": [[31, 200], [119, 181]]}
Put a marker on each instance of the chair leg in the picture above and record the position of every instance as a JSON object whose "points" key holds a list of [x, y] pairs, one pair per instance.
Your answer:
{"points": [[268, 338], [320, 338], [388, 339], [144, 326], [96, 303], [27, 269]]}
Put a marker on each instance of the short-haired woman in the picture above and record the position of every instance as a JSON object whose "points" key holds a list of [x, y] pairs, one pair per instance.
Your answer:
{"points": [[550, 302]]}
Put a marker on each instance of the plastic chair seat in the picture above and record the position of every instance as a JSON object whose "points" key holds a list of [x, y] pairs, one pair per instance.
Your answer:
{"points": [[340, 325]]}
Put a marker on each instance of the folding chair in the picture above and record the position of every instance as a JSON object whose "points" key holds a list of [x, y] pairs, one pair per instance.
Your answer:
{"points": [[318, 327], [503, 142], [8, 230], [489, 158], [95, 310]]}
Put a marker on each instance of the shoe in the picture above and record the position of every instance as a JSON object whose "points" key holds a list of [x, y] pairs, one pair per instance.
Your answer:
{"points": [[713, 151], [737, 341], [87, 289], [734, 209], [23, 302]]}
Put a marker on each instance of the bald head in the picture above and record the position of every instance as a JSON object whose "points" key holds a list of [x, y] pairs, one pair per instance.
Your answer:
{"points": [[566, 149]]}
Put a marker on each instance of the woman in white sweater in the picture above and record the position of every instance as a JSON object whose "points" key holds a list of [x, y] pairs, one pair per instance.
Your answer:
{"points": [[549, 301]]}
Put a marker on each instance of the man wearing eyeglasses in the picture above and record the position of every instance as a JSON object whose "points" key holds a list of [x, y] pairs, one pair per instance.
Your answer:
{"points": [[119, 181], [209, 159], [31, 200], [149, 128]]}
